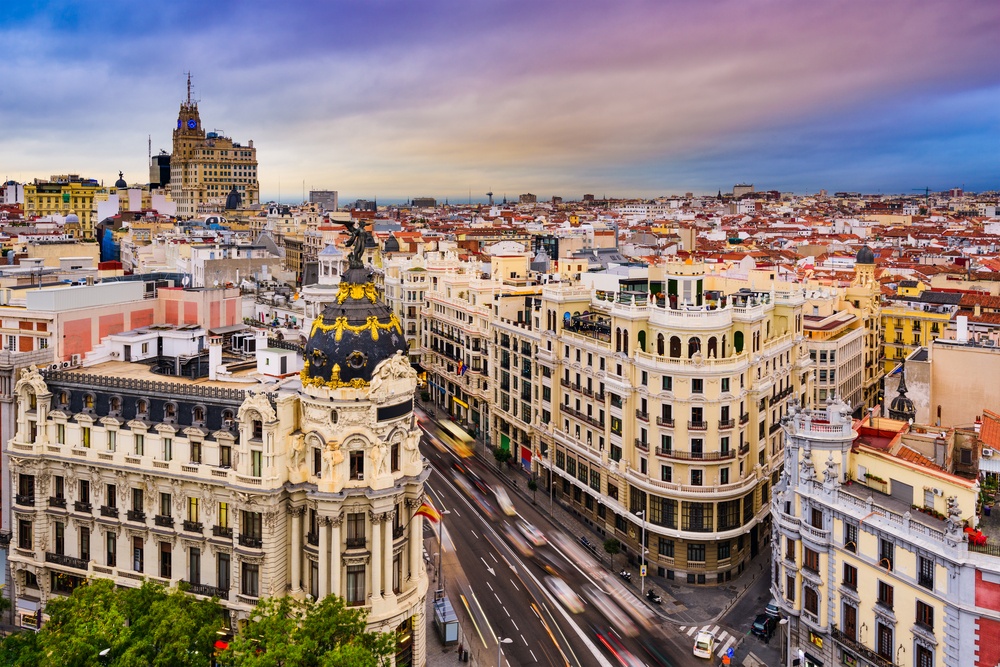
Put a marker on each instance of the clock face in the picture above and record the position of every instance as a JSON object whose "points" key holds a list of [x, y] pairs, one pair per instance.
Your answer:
{"points": [[192, 124], [179, 121]]}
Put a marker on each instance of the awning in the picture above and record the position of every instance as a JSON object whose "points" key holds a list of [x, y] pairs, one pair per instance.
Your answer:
{"points": [[460, 402], [222, 331], [989, 465]]}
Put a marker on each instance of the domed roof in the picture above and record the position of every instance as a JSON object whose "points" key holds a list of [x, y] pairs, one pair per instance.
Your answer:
{"points": [[902, 408], [865, 256], [233, 199], [120, 183], [352, 336], [72, 218]]}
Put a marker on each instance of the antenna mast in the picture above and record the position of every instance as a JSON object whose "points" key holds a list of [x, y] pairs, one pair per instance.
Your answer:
{"points": [[189, 88]]}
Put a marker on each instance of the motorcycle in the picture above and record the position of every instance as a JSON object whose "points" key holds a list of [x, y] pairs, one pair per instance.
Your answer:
{"points": [[626, 575], [653, 597]]}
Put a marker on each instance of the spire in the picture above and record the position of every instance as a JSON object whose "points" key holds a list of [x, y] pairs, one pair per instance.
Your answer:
{"points": [[189, 89], [902, 379]]}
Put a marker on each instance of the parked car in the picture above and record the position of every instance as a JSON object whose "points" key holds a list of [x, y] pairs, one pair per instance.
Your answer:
{"points": [[763, 626], [772, 609]]}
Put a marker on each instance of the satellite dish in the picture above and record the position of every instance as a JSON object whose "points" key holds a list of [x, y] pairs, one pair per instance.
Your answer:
{"points": [[186, 280]]}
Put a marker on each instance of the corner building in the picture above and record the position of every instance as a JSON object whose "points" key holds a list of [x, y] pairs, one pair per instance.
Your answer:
{"points": [[309, 489], [660, 407]]}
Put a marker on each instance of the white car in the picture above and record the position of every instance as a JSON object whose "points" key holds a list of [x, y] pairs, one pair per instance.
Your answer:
{"points": [[532, 534], [561, 590], [503, 500], [703, 645]]}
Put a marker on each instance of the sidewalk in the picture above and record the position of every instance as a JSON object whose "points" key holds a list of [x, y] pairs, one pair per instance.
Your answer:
{"points": [[685, 604]]}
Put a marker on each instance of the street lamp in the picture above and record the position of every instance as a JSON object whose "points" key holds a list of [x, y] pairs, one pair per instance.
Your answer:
{"points": [[787, 644], [642, 553], [442, 512], [500, 642]]}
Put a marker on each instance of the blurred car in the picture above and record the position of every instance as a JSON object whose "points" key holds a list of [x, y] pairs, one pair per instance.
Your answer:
{"points": [[532, 534], [614, 646], [763, 626], [518, 541], [566, 595], [618, 618], [704, 644], [772, 609], [503, 501]]}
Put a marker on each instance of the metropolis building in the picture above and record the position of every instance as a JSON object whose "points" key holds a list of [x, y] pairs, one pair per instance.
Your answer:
{"points": [[307, 486]]}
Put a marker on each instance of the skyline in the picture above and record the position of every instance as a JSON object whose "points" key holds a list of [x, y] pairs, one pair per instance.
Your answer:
{"points": [[393, 101]]}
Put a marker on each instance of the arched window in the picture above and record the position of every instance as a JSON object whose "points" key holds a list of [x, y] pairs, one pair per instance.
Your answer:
{"points": [[625, 343], [115, 404], [618, 339], [738, 341], [64, 398], [228, 419], [169, 411], [198, 414], [659, 344], [642, 341], [141, 407], [724, 353], [675, 347], [333, 416], [694, 346], [88, 401], [713, 347]]}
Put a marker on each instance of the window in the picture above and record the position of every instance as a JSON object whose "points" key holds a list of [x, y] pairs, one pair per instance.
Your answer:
{"points": [[61, 434], [356, 536], [884, 645], [810, 559], [724, 476], [111, 549], [256, 462], [668, 383], [886, 550], [137, 555], [724, 550], [696, 553], [137, 500], [885, 594], [84, 543], [851, 537], [817, 518], [850, 576], [85, 437], [84, 491], [113, 441], [222, 571], [925, 615], [697, 517], [109, 496], [194, 565], [223, 515], [60, 541], [790, 588], [250, 579], [193, 509], [357, 465], [696, 477], [666, 473], [166, 558], [729, 514], [666, 548], [167, 449], [250, 525], [925, 656], [397, 573], [810, 600], [196, 451], [725, 384], [164, 504], [926, 575], [355, 585], [24, 534], [697, 386], [790, 549]]}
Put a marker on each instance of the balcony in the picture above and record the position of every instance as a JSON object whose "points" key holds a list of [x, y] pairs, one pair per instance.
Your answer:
{"points": [[726, 423], [136, 515], [398, 532], [697, 425], [643, 416], [164, 521], [26, 499], [774, 428], [356, 542], [744, 418], [579, 415], [207, 591], [663, 421], [57, 502], [859, 648], [252, 542], [110, 512], [599, 397], [695, 456], [312, 538], [82, 506], [641, 445], [222, 531], [193, 526], [744, 448], [66, 561]]}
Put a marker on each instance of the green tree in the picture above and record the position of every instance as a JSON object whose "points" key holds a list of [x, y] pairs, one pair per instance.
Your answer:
{"points": [[613, 547], [532, 486], [308, 634], [501, 455]]}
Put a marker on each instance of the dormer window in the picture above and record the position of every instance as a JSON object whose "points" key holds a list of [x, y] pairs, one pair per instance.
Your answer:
{"points": [[115, 405], [199, 415], [258, 430], [169, 412], [88, 402], [32, 401], [141, 408]]}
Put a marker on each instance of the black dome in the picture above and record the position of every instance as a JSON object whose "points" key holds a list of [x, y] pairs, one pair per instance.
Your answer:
{"points": [[352, 336], [233, 200], [865, 256], [902, 408], [120, 183]]}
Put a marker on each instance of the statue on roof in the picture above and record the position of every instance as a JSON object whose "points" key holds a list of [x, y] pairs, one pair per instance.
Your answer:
{"points": [[357, 242]]}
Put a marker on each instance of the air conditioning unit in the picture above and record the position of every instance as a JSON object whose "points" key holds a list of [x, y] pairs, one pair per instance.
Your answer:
{"points": [[114, 354], [67, 364], [54, 367], [937, 492], [75, 359], [987, 452]]}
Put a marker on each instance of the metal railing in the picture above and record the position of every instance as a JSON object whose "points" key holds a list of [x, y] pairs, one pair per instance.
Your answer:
{"points": [[222, 531], [68, 561], [252, 542]]}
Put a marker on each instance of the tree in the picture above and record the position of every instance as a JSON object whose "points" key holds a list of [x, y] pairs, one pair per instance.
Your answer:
{"points": [[308, 634], [149, 625], [501, 455], [532, 486], [613, 547]]}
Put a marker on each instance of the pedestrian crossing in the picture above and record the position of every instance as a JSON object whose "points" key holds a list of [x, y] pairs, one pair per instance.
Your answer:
{"points": [[723, 640]]}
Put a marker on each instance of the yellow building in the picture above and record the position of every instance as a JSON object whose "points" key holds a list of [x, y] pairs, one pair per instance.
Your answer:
{"points": [[915, 318], [63, 196]]}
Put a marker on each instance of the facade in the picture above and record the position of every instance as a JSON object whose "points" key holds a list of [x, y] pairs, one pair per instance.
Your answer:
{"points": [[63, 196], [908, 326], [206, 167], [836, 346], [659, 413], [310, 489], [327, 199]]}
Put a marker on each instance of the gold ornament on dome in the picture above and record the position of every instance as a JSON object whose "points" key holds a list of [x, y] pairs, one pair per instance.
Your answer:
{"points": [[333, 383], [340, 325], [356, 291]]}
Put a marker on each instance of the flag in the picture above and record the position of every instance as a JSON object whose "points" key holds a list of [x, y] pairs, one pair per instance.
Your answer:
{"points": [[461, 367], [428, 511]]}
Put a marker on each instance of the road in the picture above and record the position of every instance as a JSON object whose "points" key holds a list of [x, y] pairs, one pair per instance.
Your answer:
{"points": [[503, 592]]}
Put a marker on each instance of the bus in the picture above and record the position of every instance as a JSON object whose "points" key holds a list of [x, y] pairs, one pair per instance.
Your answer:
{"points": [[464, 444]]}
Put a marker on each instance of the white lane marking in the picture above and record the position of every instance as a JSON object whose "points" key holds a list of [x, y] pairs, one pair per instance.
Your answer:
{"points": [[515, 585], [515, 625], [506, 612], [498, 598], [690, 631], [474, 535], [524, 640], [532, 654], [725, 647], [488, 584], [494, 557]]}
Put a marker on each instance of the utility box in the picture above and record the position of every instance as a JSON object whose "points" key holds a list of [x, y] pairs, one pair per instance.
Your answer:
{"points": [[446, 622]]}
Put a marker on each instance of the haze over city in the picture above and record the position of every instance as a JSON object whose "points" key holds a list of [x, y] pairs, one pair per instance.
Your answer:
{"points": [[446, 99]]}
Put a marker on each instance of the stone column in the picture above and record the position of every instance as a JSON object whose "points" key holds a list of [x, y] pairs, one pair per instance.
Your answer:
{"points": [[324, 535], [416, 542], [335, 564], [295, 516], [377, 549], [387, 551]]}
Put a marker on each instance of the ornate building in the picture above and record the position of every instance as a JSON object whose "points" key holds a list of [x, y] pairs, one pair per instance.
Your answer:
{"points": [[310, 488], [207, 170]]}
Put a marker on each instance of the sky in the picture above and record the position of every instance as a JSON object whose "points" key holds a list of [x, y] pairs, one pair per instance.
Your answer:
{"points": [[451, 99]]}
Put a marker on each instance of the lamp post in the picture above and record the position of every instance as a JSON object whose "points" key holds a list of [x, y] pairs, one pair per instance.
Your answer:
{"points": [[440, 590], [500, 642], [786, 645], [642, 553]]}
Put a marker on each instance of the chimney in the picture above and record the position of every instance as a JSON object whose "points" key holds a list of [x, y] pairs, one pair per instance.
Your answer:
{"points": [[963, 328], [214, 356]]}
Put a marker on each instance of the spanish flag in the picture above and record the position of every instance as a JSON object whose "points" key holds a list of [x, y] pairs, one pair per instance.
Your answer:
{"points": [[428, 511]]}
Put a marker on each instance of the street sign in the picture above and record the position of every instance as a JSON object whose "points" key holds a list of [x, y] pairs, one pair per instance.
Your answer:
{"points": [[730, 653], [642, 570], [725, 660]]}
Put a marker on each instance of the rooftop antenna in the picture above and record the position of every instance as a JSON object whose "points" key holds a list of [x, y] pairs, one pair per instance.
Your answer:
{"points": [[189, 87], [149, 147]]}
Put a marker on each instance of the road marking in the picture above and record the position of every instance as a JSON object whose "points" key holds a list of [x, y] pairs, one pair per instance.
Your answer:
{"points": [[488, 568], [485, 620], [725, 647], [691, 630], [524, 640], [515, 586], [474, 535], [473, 618], [494, 558], [532, 654], [515, 625], [498, 598], [506, 612], [488, 584]]}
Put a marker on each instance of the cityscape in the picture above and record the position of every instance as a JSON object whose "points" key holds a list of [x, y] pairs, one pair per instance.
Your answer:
{"points": [[510, 381]]}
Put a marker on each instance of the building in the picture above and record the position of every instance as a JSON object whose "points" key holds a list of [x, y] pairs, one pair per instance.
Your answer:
{"points": [[307, 487], [914, 318], [327, 199], [656, 409], [870, 562], [69, 197], [206, 166], [159, 171], [742, 189], [527, 198], [835, 341], [423, 202]]}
